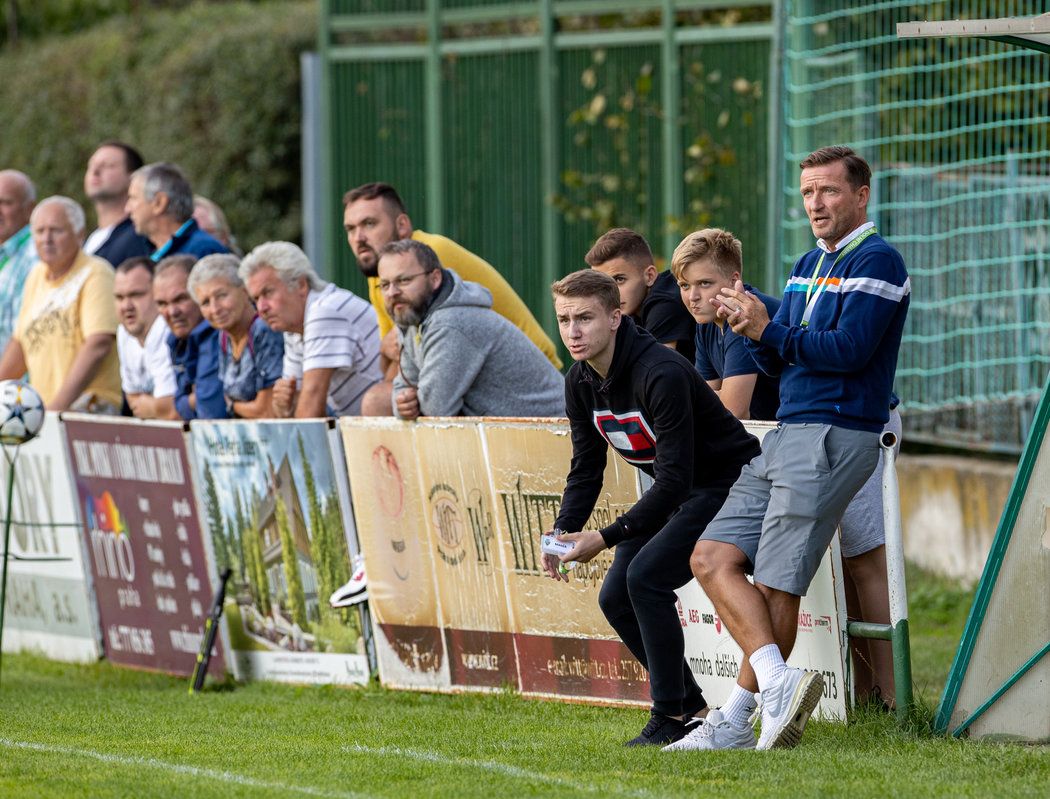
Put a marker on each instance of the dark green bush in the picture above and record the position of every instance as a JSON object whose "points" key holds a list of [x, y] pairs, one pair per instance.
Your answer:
{"points": [[214, 88]]}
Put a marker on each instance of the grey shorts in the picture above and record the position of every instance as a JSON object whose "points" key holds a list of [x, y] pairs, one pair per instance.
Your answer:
{"points": [[783, 510], [863, 527]]}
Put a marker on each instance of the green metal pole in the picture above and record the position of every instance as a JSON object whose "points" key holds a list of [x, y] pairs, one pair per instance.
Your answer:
{"points": [[672, 131], [547, 61], [329, 244], [435, 181], [774, 281], [7, 547]]}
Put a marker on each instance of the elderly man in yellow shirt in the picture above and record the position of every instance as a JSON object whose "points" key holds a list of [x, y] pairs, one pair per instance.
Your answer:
{"points": [[373, 216], [66, 330]]}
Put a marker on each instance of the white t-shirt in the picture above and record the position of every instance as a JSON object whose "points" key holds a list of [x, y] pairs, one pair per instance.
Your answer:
{"points": [[146, 369], [340, 332], [98, 237]]}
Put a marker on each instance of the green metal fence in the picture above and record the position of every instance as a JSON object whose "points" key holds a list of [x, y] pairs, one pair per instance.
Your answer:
{"points": [[958, 134], [524, 129]]}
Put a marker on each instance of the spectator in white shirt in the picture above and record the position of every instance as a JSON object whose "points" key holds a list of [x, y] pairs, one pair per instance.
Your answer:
{"points": [[331, 336], [146, 374]]}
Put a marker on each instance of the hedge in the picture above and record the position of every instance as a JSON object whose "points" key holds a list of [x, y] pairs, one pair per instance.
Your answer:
{"points": [[212, 88]]}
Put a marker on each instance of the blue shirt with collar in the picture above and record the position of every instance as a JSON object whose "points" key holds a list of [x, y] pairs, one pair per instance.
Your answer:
{"points": [[189, 240], [195, 360]]}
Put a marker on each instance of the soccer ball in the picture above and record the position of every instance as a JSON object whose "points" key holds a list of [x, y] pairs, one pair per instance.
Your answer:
{"points": [[21, 412]]}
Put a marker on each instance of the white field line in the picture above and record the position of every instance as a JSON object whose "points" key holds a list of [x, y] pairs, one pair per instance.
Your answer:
{"points": [[489, 765], [177, 768]]}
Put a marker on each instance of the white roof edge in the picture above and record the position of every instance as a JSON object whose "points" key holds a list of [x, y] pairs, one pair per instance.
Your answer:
{"points": [[1003, 26]]}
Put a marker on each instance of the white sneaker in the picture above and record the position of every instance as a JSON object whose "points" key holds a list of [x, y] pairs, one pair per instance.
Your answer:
{"points": [[355, 590], [786, 707], [715, 732]]}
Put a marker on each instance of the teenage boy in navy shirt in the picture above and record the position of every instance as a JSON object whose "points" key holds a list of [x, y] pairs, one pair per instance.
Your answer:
{"points": [[834, 343], [649, 297], [705, 262], [650, 405]]}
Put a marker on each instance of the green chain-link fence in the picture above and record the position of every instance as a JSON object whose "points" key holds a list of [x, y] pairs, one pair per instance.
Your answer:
{"points": [[958, 135]]}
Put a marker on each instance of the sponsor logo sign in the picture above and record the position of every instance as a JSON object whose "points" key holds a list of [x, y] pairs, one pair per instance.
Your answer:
{"points": [[143, 541]]}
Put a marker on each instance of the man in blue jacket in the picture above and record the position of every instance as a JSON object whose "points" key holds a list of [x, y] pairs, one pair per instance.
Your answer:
{"points": [[193, 343], [834, 343], [160, 204]]}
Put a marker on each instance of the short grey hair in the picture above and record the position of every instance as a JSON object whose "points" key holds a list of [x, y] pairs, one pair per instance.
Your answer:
{"points": [[423, 254], [170, 179], [182, 263], [74, 213], [28, 189], [286, 259], [214, 267]]}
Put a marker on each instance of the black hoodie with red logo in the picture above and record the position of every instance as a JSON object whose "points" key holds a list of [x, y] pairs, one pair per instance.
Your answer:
{"points": [[659, 415]]}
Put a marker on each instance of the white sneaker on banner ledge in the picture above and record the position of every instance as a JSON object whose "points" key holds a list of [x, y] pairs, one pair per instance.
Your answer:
{"points": [[355, 590]]}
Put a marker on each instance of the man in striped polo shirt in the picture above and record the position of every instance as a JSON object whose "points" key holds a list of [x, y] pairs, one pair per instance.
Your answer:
{"points": [[331, 336]]}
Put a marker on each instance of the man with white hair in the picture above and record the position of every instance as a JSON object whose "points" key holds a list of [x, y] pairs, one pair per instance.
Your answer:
{"points": [[66, 329], [160, 204], [17, 252], [331, 336]]}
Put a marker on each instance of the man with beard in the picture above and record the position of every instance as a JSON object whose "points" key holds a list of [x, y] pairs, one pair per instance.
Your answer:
{"points": [[331, 339], [458, 356], [106, 183], [374, 216], [146, 374]]}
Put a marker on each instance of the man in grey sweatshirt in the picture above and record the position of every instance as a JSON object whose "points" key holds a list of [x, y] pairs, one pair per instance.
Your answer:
{"points": [[458, 356]]}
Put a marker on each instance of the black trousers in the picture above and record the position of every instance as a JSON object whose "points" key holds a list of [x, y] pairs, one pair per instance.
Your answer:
{"points": [[638, 598]]}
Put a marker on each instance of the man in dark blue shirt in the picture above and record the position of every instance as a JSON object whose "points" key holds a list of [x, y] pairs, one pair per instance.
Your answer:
{"points": [[194, 344], [705, 262], [160, 204], [649, 297]]}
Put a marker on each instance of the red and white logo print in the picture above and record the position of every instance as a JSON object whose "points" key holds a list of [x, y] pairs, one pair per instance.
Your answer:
{"points": [[627, 433]]}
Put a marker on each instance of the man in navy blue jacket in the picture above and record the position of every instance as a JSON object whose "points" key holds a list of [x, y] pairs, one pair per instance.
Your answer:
{"points": [[160, 204], [834, 343], [193, 343], [649, 404]]}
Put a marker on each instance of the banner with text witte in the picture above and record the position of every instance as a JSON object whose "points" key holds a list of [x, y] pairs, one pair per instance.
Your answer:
{"points": [[50, 607], [565, 646], [466, 557], [386, 486], [147, 556], [443, 550], [269, 501]]}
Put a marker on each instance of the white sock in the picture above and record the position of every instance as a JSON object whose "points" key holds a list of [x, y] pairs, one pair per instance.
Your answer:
{"points": [[738, 708], [768, 665]]}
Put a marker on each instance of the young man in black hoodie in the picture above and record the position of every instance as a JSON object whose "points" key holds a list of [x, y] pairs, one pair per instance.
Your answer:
{"points": [[649, 403]]}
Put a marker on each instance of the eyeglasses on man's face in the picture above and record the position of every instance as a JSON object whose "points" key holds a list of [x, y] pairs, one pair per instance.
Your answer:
{"points": [[398, 282]]}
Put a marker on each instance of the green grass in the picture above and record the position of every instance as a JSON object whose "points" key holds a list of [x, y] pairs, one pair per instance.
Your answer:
{"points": [[99, 731]]}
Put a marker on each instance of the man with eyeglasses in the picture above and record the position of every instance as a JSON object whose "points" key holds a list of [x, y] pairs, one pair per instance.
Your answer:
{"points": [[458, 356], [331, 336]]}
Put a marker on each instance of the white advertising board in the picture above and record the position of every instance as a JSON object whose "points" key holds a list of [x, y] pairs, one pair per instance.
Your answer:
{"points": [[50, 607]]}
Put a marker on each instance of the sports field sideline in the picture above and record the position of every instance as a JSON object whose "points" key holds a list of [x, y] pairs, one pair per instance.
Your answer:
{"points": [[101, 731]]}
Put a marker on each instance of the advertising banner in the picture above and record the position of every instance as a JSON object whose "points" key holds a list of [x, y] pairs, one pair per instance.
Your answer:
{"points": [[143, 541], [467, 560], [269, 500], [564, 644], [386, 484], [454, 565], [50, 605]]}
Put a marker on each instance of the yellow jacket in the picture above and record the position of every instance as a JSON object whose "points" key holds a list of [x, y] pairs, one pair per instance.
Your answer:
{"points": [[469, 266]]}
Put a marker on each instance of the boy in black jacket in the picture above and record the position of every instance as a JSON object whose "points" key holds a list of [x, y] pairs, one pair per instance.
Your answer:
{"points": [[648, 402]]}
